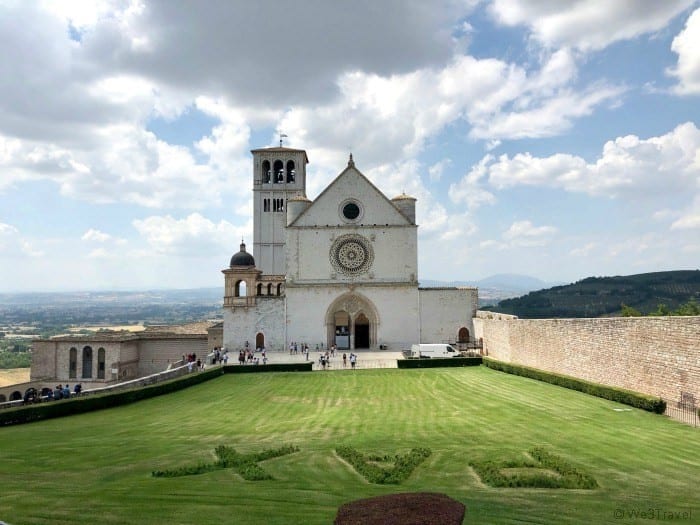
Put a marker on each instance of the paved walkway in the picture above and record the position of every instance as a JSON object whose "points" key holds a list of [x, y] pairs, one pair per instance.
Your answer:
{"points": [[365, 359]]}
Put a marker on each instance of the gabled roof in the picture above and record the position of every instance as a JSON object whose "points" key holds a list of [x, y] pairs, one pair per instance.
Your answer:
{"points": [[350, 167]]}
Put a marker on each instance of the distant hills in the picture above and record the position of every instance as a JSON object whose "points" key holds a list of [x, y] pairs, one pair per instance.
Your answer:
{"points": [[496, 287], [604, 296]]}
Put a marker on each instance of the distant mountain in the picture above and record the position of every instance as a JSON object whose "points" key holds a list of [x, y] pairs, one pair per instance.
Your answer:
{"points": [[604, 296], [193, 296], [496, 287]]}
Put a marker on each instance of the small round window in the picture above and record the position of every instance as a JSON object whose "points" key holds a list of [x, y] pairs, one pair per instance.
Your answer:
{"points": [[351, 211]]}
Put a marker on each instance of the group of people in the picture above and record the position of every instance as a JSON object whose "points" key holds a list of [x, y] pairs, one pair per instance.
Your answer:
{"points": [[249, 357], [63, 391], [325, 358], [220, 356], [192, 361]]}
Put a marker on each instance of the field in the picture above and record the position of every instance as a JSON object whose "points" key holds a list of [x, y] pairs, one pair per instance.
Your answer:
{"points": [[13, 376], [96, 468]]}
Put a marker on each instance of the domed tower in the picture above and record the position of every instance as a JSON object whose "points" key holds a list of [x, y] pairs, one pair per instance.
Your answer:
{"points": [[241, 278], [406, 205]]}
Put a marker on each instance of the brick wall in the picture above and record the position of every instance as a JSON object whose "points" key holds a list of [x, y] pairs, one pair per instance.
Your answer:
{"points": [[653, 355]]}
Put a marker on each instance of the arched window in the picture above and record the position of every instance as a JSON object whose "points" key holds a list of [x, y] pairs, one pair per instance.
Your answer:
{"points": [[266, 172], [279, 289], [87, 361], [269, 289], [72, 363], [291, 172], [279, 171], [101, 363], [259, 288], [463, 335], [240, 289]]}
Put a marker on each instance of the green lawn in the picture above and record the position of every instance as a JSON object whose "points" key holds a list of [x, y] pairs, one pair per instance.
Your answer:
{"points": [[96, 468]]}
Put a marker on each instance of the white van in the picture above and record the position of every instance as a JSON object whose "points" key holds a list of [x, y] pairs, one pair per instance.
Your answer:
{"points": [[434, 350]]}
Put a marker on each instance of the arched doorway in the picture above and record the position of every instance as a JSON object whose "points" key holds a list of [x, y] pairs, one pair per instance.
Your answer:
{"points": [[87, 362], [14, 396], [352, 322], [259, 340], [463, 335], [361, 331]]}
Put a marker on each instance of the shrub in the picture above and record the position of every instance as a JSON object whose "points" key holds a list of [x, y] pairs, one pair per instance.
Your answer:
{"points": [[627, 397], [366, 466], [536, 476], [246, 465], [435, 362]]}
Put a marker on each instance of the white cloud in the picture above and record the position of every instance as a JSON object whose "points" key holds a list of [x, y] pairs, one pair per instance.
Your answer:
{"points": [[690, 217], [524, 233], [668, 164], [13, 245], [587, 24], [687, 46], [193, 236], [470, 189], [97, 236]]}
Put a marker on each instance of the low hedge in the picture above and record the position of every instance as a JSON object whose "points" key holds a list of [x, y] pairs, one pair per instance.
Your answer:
{"points": [[88, 403], [435, 362], [306, 366], [627, 397]]}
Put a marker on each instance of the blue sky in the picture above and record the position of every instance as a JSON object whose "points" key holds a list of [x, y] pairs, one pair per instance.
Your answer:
{"points": [[557, 139]]}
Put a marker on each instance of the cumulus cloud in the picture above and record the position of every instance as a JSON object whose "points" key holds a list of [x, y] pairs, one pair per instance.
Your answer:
{"points": [[687, 46], [470, 190], [96, 236], [627, 165], [524, 233], [587, 24], [193, 236]]}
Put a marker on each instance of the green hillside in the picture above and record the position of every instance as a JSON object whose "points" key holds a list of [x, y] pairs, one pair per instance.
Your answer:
{"points": [[604, 296]]}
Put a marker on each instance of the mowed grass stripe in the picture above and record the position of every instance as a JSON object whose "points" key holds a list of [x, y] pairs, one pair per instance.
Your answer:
{"points": [[462, 415]]}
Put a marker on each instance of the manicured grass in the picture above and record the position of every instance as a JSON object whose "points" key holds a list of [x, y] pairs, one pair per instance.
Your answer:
{"points": [[96, 468]]}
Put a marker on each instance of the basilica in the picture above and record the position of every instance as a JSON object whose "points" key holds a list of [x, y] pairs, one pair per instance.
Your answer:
{"points": [[339, 270]]}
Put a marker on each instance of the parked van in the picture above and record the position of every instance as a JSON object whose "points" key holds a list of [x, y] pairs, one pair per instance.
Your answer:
{"points": [[434, 350]]}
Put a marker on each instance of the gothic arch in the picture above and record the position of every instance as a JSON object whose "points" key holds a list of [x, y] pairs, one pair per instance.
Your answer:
{"points": [[358, 308]]}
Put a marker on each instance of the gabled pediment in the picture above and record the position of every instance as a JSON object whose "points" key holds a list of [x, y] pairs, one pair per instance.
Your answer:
{"points": [[351, 199]]}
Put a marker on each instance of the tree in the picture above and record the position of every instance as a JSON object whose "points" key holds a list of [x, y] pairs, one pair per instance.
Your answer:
{"points": [[629, 311]]}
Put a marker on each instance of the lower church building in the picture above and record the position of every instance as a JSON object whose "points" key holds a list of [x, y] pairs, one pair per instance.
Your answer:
{"points": [[339, 270]]}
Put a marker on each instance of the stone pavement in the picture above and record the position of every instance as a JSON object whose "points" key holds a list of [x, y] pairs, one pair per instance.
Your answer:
{"points": [[365, 359]]}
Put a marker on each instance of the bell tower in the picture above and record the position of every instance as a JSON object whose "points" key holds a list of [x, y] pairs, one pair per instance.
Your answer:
{"points": [[279, 174]]}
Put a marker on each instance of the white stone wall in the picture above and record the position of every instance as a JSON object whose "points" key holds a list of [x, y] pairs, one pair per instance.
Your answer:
{"points": [[395, 257], [396, 307], [443, 311], [351, 184], [241, 324]]}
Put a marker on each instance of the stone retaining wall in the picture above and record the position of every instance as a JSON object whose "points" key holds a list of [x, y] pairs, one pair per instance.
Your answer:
{"points": [[653, 355]]}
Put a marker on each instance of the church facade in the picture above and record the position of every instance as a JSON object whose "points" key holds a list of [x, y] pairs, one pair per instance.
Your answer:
{"points": [[339, 270]]}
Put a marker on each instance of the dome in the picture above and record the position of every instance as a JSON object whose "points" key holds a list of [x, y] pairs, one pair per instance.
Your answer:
{"points": [[242, 258], [403, 197]]}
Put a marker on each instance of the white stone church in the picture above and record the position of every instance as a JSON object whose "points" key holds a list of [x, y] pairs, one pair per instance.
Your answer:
{"points": [[342, 269]]}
